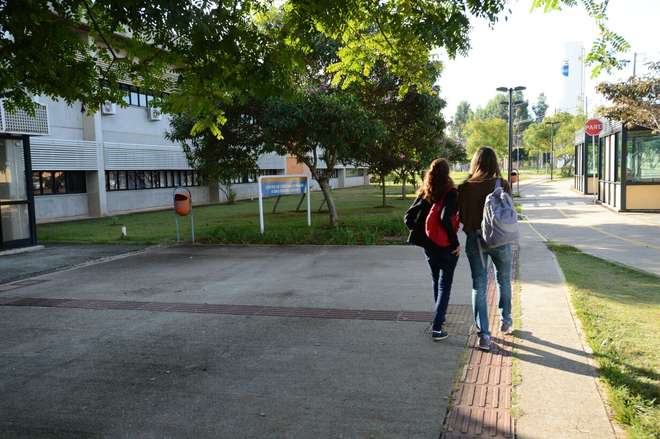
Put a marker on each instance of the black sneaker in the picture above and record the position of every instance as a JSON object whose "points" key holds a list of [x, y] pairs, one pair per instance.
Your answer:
{"points": [[484, 342], [439, 335]]}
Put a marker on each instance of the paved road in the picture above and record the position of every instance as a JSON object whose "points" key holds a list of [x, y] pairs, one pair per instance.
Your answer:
{"points": [[561, 215], [161, 353]]}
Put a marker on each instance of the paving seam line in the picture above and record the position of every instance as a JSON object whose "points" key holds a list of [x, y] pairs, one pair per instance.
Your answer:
{"points": [[89, 263], [577, 324]]}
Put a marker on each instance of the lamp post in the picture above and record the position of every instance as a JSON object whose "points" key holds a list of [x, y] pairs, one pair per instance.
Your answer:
{"points": [[552, 145], [510, 90]]}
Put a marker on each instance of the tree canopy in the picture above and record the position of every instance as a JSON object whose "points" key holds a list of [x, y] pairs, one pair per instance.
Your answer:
{"points": [[487, 132], [540, 108], [636, 102], [207, 51]]}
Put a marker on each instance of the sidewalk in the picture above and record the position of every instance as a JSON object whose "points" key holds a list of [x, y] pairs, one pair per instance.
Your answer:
{"points": [[558, 395]]}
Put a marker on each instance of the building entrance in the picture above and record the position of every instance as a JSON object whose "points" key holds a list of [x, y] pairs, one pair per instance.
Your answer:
{"points": [[16, 205]]}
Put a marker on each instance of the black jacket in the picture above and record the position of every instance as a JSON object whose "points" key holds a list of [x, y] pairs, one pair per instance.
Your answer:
{"points": [[415, 220]]}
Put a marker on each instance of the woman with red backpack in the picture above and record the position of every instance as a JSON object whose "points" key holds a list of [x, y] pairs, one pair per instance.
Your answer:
{"points": [[433, 223]]}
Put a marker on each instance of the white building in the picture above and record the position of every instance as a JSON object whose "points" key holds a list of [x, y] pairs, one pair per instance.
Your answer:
{"points": [[118, 160], [573, 79]]}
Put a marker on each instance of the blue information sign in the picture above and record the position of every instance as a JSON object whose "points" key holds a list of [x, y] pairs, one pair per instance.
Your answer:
{"points": [[271, 187], [276, 185]]}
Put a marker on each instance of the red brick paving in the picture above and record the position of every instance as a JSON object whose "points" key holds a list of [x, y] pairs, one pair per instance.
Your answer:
{"points": [[481, 403]]}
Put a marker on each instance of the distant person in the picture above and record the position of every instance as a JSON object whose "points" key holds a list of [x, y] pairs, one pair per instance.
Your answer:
{"points": [[484, 176], [433, 221]]}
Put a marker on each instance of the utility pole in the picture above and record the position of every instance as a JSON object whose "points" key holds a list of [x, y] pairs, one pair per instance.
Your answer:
{"points": [[552, 146], [509, 161]]}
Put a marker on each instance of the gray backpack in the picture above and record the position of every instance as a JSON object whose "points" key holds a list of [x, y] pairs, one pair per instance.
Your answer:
{"points": [[500, 221]]}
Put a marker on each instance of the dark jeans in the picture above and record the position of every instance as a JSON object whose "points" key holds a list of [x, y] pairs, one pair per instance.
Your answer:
{"points": [[442, 264]]}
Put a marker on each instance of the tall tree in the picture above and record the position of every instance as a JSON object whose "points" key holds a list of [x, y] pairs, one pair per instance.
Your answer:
{"points": [[540, 108], [413, 122], [320, 130], [635, 101], [487, 132], [227, 158], [497, 107], [463, 114]]}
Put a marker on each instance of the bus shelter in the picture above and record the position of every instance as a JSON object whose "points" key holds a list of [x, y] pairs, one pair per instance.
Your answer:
{"points": [[629, 168], [584, 179], [17, 224]]}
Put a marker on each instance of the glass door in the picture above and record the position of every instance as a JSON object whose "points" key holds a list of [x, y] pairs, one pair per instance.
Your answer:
{"points": [[15, 223]]}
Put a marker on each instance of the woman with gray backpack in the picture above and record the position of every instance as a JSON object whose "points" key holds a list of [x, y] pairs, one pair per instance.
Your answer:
{"points": [[489, 221]]}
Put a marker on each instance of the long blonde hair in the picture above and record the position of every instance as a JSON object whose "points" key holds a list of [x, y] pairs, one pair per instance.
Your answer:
{"points": [[436, 181], [484, 165]]}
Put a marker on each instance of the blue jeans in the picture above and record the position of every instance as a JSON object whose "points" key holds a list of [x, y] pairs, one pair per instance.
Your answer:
{"points": [[442, 264], [502, 258]]}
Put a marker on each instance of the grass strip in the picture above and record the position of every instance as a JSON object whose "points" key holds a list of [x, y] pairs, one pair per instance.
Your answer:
{"points": [[362, 220], [620, 312]]}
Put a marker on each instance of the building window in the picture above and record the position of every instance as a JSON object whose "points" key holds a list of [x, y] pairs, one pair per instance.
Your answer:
{"points": [[355, 172], [136, 96], [58, 182], [139, 180], [271, 171], [617, 157], [643, 159]]}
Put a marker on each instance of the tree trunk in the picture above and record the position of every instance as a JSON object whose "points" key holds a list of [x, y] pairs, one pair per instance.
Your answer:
{"points": [[327, 194], [382, 185], [403, 186]]}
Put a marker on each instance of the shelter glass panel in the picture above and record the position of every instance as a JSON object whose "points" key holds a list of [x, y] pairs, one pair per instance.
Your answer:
{"points": [[643, 159]]}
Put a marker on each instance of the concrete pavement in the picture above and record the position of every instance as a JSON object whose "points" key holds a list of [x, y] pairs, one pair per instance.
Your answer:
{"points": [[18, 266], [563, 216], [558, 394], [125, 373]]}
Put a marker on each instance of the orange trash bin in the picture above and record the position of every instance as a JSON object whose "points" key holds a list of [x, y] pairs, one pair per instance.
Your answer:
{"points": [[182, 203]]}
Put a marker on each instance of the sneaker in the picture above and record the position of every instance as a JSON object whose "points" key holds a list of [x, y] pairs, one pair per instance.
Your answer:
{"points": [[506, 328], [484, 342], [439, 335]]}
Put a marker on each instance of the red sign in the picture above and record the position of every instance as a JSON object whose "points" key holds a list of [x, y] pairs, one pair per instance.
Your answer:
{"points": [[593, 127]]}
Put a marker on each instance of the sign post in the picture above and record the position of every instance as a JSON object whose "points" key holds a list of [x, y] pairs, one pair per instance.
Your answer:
{"points": [[278, 185], [593, 127]]}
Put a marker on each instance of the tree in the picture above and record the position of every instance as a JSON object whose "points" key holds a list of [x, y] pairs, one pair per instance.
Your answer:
{"points": [[498, 107], [636, 102], [558, 130], [463, 114], [487, 132], [230, 157], [221, 50], [320, 129], [540, 108]]}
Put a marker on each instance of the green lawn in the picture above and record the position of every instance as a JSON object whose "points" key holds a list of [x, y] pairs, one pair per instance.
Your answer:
{"points": [[620, 311], [361, 221]]}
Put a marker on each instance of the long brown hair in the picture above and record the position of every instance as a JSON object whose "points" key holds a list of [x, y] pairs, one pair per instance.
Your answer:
{"points": [[484, 165], [436, 181]]}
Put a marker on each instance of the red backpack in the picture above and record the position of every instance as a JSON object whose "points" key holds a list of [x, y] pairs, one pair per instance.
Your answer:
{"points": [[434, 228]]}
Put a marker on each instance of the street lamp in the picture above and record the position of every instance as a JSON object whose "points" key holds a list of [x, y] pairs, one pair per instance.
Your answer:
{"points": [[510, 91], [552, 145]]}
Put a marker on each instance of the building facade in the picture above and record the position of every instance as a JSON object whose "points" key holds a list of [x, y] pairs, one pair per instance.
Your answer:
{"points": [[118, 160]]}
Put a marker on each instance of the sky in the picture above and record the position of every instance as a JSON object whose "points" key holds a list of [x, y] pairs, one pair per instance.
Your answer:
{"points": [[528, 50]]}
